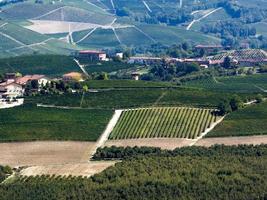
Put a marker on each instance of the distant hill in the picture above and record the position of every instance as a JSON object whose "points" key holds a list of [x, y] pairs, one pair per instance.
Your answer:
{"points": [[65, 25]]}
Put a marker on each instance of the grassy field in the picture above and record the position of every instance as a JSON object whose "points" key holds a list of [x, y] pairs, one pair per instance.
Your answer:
{"points": [[163, 123], [251, 120], [31, 123], [137, 97], [51, 65], [97, 84], [106, 66], [240, 84]]}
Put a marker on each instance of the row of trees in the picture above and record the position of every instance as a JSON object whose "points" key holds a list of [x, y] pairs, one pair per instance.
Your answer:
{"points": [[234, 104], [113, 152]]}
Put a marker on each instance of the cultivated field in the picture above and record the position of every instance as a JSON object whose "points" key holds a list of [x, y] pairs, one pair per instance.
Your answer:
{"points": [[28, 123], [164, 143], [45, 153], [80, 169], [245, 140], [163, 122], [138, 97], [241, 84], [251, 120]]}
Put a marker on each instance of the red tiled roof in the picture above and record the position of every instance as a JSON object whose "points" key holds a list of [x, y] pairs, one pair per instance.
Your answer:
{"points": [[23, 80], [91, 52]]}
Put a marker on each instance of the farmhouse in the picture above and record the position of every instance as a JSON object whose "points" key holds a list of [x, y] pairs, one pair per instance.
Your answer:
{"points": [[41, 79], [10, 90], [92, 55]]}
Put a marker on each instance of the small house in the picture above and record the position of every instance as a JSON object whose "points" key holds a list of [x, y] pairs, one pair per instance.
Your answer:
{"points": [[92, 55], [136, 76]]}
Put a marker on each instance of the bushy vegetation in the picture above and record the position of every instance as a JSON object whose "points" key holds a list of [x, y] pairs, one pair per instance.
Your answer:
{"points": [[251, 120], [4, 172], [29, 122], [227, 175], [163, 123], [113, 152]]}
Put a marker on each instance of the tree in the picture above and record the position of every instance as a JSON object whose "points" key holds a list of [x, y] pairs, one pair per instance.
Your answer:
{"points": [[236, 103], [103, 76], [227, 62], [224, 107], [259, 98]]}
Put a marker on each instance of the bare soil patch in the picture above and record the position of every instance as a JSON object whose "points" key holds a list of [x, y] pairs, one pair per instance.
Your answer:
{"points": [[80, 169], [45, 153], [164, 143], [253, 140]]}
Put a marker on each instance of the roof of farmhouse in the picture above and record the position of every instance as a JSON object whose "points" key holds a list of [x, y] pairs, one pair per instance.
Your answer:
{"points": [[243, 55], [91, 52]]}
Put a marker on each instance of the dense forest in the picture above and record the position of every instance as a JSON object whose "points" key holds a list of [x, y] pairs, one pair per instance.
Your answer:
{"points": [[194, 173]]}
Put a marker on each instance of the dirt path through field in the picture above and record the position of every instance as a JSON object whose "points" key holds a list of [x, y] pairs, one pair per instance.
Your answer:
{"points": [[80, 169], [164, 143], [253, 140]]}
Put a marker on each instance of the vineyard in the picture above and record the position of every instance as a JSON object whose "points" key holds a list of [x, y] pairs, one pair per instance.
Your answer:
{"points": [[171, 122]]}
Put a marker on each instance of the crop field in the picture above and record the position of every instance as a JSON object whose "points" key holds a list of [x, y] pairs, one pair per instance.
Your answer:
{"points": [[95, 84], [241, 84], [106, 66], [163, 122], [51, 65], [137, 97], [16, 40], [31, 123], [251, 120]]}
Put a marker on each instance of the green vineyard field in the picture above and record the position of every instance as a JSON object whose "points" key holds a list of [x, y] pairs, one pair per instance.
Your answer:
{"points": [[167, 122]]}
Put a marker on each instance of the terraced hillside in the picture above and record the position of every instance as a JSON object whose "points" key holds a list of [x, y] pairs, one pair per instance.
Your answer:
{"points": [[172, 122], [16, 40]]}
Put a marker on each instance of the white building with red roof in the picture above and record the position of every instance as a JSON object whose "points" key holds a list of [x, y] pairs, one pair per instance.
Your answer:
{"points": [[93, 55]]}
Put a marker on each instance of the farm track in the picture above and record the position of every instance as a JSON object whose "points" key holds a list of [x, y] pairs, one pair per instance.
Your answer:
{"points": [[172, 143], [201, 18]]}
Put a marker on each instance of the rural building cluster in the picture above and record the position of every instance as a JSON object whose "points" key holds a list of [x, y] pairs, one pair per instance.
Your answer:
{"points": [[13, 87]]}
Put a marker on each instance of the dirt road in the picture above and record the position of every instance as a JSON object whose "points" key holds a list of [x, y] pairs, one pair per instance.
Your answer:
{"points": [[80, 169], [254, 140], [164, 143]]}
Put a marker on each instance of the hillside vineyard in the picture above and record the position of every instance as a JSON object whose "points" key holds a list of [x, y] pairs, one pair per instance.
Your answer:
{"points": [[171, 122]]}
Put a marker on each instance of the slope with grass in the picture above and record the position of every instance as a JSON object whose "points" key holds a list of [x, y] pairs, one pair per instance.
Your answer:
{"points": [[31, 123], [51, 65], [251, 120], [16, 40], [137, 97], [163, 122], [239, 84]]}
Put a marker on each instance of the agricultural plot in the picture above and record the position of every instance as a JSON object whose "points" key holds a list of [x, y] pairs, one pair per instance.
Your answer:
{"points": [[241, 84], [137, 97], [249, 121], [172, 122], [29, 123], [52, 65]]}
